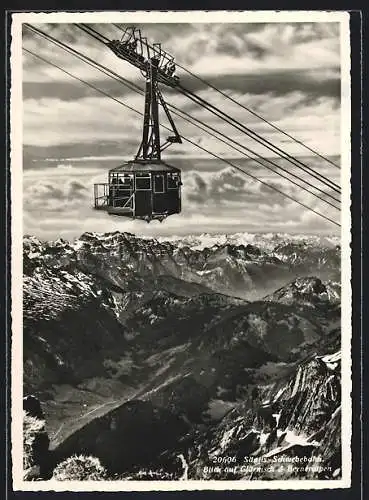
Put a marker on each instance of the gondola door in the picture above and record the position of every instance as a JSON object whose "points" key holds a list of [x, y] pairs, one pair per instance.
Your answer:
{"points": [[174, 193], [143, 191], [160, 197]]}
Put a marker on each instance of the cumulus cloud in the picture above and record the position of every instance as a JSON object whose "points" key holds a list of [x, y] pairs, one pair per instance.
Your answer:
{"points": [[59, 202], [225, 186], [237, 47], [115, 129], [49, 196]]}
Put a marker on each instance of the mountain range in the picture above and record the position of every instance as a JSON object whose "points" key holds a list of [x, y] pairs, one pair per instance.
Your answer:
{"points": [[200, 352]]}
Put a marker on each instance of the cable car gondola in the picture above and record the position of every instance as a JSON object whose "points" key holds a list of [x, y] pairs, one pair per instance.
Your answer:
{"points": [[146, 187], [141, 189]]}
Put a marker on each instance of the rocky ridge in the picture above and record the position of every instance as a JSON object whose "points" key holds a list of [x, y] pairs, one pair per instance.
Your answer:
{"points": [[123, 334]]}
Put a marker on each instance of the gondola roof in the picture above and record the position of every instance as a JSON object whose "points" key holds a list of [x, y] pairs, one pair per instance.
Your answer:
{"points": [[145, 166]]}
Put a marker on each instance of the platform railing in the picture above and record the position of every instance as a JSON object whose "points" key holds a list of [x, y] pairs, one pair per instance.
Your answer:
{"points": [[102, 197], [101, 200]]}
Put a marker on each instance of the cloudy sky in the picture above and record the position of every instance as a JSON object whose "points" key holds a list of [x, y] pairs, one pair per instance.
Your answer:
{"points": [[289, 73]]}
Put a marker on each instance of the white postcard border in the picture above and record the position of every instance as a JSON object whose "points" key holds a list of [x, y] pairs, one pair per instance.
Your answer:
{"points": [[16, 156]]}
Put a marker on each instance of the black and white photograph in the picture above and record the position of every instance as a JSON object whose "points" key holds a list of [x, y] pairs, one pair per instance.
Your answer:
{"points": [[181, 297]]}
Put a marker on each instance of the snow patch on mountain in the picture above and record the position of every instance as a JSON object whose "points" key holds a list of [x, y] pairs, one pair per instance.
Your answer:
{"points": [[332, 360], [267, 241]]}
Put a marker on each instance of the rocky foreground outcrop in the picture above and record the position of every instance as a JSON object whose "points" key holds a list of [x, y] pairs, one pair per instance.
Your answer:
{"points": [[283, 430], [291, 430], [36, 454]]}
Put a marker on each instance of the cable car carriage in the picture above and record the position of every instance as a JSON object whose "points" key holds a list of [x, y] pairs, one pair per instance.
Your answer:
{"points": [[137, 189], [146, 187]]}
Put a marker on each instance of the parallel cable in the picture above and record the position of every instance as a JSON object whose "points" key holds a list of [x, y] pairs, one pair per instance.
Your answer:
{"points": [[250, 133], [259, 139], [259, 157], [95, 34], [327, 182], [84, 58], [137, 89], [249, 110], [80, 80], [186, 139], [254, 135]]}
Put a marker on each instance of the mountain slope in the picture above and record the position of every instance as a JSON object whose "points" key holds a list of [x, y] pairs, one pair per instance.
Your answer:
{"points": [[117, 326]]}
